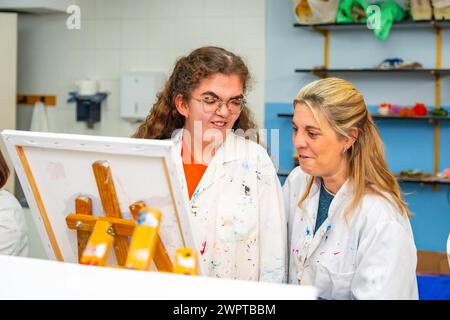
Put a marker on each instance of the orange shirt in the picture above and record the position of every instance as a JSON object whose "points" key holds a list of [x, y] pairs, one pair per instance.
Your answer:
{"points": [[192, 171]]}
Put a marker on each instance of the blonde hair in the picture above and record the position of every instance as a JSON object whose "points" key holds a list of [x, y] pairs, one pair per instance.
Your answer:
{"points": [[344, 108]]}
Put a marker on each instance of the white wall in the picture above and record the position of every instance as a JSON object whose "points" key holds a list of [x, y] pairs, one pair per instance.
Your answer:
{"points": [[8, 74], [121, 35]]}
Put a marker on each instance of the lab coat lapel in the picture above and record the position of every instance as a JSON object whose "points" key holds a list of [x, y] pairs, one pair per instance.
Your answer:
{"points": [[337, 205], [214, 172], [318, 237], [176, 155], [308, 213], [312, 239], [216, 168]]}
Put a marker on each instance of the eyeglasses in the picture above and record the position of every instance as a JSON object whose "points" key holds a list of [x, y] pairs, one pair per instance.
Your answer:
{"points": [[213, 104]]}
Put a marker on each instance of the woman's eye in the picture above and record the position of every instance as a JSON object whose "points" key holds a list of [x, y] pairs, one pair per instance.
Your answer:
{"points": [[295, 129], [209, 101], [236, 103], [312, 134]]}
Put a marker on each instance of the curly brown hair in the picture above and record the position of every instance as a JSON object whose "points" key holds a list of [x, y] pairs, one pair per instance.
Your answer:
{"points": [[4, 171], [187, 74]]}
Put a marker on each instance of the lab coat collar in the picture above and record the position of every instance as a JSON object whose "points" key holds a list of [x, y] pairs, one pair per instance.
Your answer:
{"points": [[230, 150], [346, 190]]}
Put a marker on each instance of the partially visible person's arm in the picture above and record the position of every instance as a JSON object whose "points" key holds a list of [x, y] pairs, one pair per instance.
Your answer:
{"points": [[13, 230], [13, 241]]}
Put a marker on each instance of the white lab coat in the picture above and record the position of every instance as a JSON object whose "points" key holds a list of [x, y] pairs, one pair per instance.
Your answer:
{"points": [[13, 229], [237, 213], [372, 256]]}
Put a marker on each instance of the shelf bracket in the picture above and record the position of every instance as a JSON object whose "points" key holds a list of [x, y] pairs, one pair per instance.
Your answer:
{"points": [[326, 49], [437, 98]]}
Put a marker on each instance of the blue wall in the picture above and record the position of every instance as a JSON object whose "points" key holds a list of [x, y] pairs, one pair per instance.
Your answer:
{"points": [[409, 144]]}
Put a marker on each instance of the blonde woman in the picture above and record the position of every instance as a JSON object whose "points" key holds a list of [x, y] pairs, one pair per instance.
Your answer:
{"points": [[349, 229]]}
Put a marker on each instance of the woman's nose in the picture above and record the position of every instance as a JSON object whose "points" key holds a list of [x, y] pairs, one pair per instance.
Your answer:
{"points": [[223, 110], [299, 140]]}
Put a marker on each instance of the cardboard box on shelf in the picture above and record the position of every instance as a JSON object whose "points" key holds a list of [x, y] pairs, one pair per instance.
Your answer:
{"points": [[429, 262]]}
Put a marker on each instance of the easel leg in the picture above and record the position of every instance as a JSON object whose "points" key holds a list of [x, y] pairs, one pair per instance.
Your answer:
{"points": [[99, 245], [108, 196], [143, 241], [186, 262], [83, 205], [161, 258]]}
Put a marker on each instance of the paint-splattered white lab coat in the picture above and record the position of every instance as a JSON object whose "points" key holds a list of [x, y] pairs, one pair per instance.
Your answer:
{"points": [[372, 256], [13, 229], [237, 213]]}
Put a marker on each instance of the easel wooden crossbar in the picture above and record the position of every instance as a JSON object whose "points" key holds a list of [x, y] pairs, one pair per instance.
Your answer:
{"points": [[84, 222]]}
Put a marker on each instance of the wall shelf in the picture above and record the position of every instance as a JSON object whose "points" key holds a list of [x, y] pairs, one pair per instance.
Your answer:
{"points": [[324, 72], [382, 117], [428, 118], [424, 181], [363, 26], [285, 115], [438, 72]]}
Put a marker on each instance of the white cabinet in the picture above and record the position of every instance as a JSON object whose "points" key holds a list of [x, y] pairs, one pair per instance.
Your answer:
{"points": [[8, 79], [35, 6]]}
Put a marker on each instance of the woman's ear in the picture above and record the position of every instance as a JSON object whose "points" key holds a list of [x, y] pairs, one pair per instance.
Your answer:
{"points": [[353, 136], [182, 106]]}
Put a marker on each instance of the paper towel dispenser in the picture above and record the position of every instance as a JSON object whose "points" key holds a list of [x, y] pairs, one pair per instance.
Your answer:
{"points": [[88, 107], [138, 91]]}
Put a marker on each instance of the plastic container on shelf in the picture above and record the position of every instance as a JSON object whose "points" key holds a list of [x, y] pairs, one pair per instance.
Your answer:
{"points": [[441, 9], [315, 11], [421, 9]]}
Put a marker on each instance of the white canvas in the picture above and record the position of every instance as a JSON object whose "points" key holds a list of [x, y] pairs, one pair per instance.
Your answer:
{"points": [[61, 165]]}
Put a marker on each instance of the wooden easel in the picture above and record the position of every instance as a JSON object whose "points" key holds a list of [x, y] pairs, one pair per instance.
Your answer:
{"points": [[112, 227]]}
